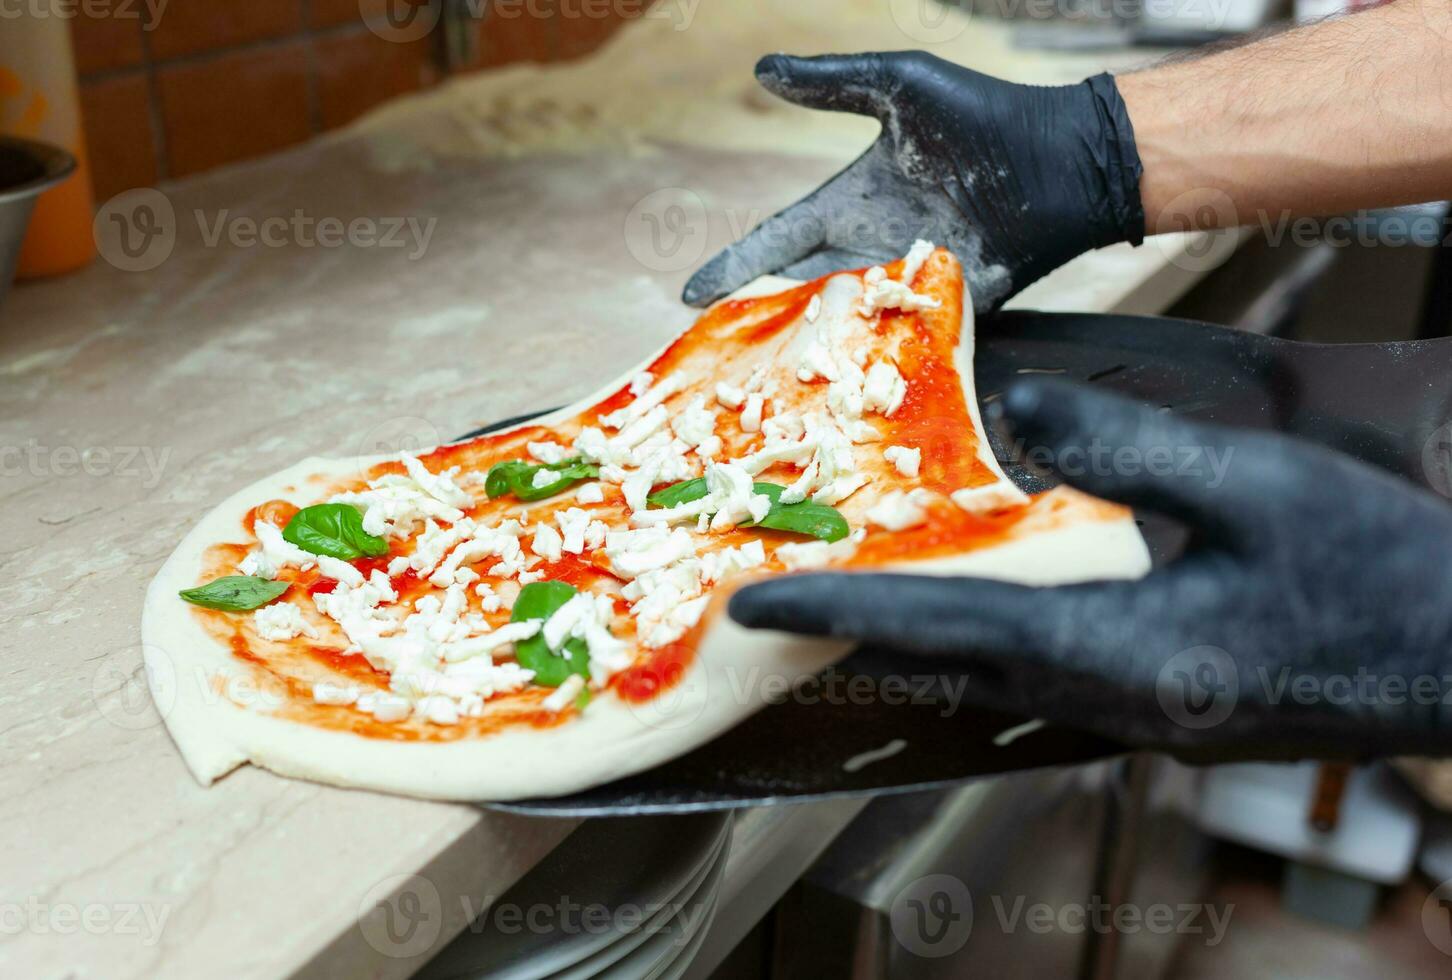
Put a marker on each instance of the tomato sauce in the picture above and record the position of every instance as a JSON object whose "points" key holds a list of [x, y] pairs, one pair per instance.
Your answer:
{"points": [[275, 512], [353, 666], [518, 710], [658, 670], [760, 333], [934, 417], [581, 572], [949, 530]]}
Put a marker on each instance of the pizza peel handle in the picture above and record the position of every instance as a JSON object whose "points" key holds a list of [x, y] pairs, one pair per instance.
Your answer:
{"points": [[1388, 404]]}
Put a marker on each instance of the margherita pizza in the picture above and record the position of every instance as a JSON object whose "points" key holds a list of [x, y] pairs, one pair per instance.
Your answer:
{"points": [[542, 609]]}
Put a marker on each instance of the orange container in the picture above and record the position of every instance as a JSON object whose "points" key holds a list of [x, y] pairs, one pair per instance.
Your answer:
{"points": [[39, 101]]}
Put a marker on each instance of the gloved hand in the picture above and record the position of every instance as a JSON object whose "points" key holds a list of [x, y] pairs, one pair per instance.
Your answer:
{"points": [[1015, 179], [1311, 615]]}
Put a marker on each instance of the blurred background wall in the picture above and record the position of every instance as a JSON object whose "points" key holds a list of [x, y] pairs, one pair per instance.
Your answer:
{"points": [[210, 82]]}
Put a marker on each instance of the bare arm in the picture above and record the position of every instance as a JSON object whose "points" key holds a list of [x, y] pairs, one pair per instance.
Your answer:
{"points": [[1354, 112]]}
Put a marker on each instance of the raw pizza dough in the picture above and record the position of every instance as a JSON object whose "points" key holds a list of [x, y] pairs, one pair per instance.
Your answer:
{"points": [[225, 704]]}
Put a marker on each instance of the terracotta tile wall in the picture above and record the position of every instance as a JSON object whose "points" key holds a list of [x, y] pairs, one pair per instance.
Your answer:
{"points": [[209, 82]]}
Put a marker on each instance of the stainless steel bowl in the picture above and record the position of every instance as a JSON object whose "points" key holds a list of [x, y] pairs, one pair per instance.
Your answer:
{"points": [[27, 168]]}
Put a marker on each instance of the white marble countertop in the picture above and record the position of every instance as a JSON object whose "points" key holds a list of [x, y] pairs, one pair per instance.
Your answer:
{"points": [[130, 402]]}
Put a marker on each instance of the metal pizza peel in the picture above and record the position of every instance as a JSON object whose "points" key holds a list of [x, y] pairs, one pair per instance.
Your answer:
{"points": [[1389, 404]]}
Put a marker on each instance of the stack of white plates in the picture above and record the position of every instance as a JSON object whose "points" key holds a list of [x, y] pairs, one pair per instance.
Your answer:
{"points": [[620, 898]]}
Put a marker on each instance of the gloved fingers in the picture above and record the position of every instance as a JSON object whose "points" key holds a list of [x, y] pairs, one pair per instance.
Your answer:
{"points": [[830, 260], [786, 237], [980, 618], [1139, 455], [866, 219], [1098, 656], [859, 83]]}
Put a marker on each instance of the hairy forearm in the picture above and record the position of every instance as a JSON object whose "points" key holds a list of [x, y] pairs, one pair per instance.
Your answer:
{"points": [[1354, 112]]}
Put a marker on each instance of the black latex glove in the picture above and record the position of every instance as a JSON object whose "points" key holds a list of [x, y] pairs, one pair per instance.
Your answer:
{"points": [[1015, 179], [1306, 568]]}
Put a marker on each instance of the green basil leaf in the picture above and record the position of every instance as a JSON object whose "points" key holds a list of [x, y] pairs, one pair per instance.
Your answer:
{"points": [[569, 476], [516, 477], [235, 593], [500, 479], [689, 490], [772, 490], [812, 519], [335, 530], [679, 493], [815, 520], [541, 600]]}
